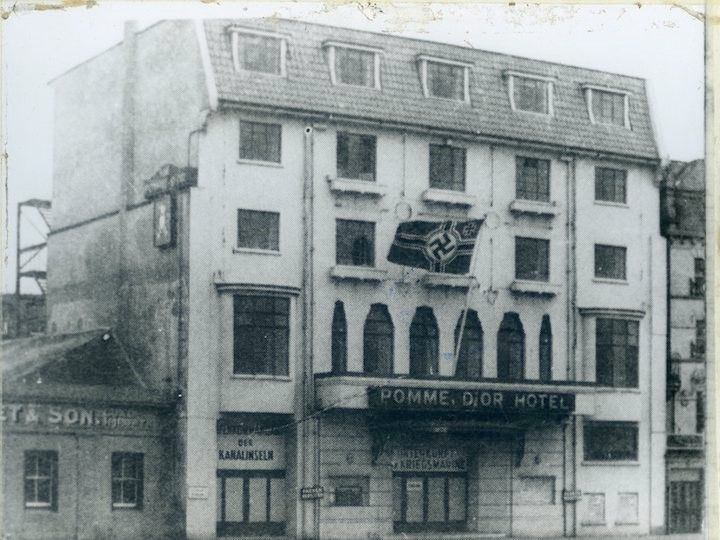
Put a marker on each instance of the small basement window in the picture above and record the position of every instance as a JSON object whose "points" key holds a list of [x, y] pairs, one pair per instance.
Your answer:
{"points": [[258, 52], [353, 65], [445, 79], [530, 93], [607, 106]]}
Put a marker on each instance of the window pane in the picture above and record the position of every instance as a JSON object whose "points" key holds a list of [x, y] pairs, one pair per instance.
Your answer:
{"points": [[356, 156], [415, 490], [355, 243], [424, 346], [339, 339], [258, 499], [610, 262], [355, 67], [532, 259], [447, 81], [260, 142], [531, 95], [234, 499], [511, 348], [436, 498], [532, 179], [378, 344], [610, 441], [471, 349], [277, 500], [456, 499], [259, 53], [608, 107], [261, 335], [258, 230], [447, 167]]}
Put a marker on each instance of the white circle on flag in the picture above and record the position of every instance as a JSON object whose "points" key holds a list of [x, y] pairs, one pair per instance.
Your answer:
{"points": [[442, 246]]}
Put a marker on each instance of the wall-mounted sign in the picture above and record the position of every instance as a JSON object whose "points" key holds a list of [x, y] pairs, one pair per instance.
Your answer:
{"points": [[65, 416], [313, 492], [251, 451], [472, 400], [164, 221], [198, 492], [430, 459]]}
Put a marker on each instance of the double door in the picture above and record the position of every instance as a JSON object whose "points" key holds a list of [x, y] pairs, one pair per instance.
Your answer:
{"points": [[429, 502]]}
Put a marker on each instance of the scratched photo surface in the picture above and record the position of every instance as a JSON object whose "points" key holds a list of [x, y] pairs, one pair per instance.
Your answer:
{"points": [[354, 271]]}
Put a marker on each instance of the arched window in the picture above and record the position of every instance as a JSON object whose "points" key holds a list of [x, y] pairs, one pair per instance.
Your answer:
{"points": [[511, 349], [339, 339], [424, 344], [545, 349], [469, 362], [378, 341]]}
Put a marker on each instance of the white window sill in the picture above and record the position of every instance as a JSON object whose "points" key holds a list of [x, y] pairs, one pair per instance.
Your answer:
{"points": [[124, 506], [626, 523], [534, 114], [250, 377], [259, 163], [543, 288], [610, 281], [611, 204], [538, 208], [593, 524], [256, 251], [358, 187], [448, 100], [610, 463], [447, 280], [446, 196], [37, 506], [616, 390], [359, 273]]}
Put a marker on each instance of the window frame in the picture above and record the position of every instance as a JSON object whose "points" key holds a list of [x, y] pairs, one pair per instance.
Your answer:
{"points": [[424, 346], [512, 77], [590, 90], [545, 352], [246, 526], [351, 256], [595, 456], [240, 248], [362, 480], [541, 277], [616, 249], [455, 151], [599, 171], [52, 478], [379, 310], [138, 479], [511, 332], [522, 186], [255, 160], [348, 135], [251, 364], [423, 60], [236, 32], [338, 339], [332, 48], [608, 344]]}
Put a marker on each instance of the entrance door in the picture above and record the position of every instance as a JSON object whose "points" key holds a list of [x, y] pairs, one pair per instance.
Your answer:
{"points": [[251, 503], [429, 502], [685, 501]]}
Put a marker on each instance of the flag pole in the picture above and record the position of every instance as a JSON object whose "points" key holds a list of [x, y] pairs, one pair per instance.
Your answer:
{"points": [[471, 287]]}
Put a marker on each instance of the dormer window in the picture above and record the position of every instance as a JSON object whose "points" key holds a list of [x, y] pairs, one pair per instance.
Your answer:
{"points": [[445, 79], [258, 52], [530, 93], [353, 65], [607, 105]]}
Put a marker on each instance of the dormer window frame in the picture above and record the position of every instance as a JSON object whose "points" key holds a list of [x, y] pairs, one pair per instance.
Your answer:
{"points": [[423, 59], [377, 53], [588, 89], [236, 31], [511, 75]]}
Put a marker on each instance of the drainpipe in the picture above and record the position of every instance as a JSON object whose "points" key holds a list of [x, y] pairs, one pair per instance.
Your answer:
{"points": [[308, 424]]}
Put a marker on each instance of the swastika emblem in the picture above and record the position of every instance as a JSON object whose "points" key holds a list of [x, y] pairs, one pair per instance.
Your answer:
{"points": [[442, 246]]}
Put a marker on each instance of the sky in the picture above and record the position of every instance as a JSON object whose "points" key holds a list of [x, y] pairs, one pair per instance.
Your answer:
{"points": [[662, 44]]}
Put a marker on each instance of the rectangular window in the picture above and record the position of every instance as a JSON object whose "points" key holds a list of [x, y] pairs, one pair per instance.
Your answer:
{"points": [[355, 67], [354, 242], [251, 503], [699, 346], [262, 54], [350, 490], [610, 441], [447, 167], [532, 179], [260, 142], [531, 94], [127, 480], [610, 262], [610, 185], [532, 259], [445, 80], [258, 230], [608, 107], [697, 284], [616, 352], [699, 412], [356, 156], [41, 479], [261, 335]]}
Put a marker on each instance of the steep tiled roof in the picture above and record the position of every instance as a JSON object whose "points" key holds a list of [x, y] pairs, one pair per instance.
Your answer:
{"points": [[307, 88], [689, 175]]}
